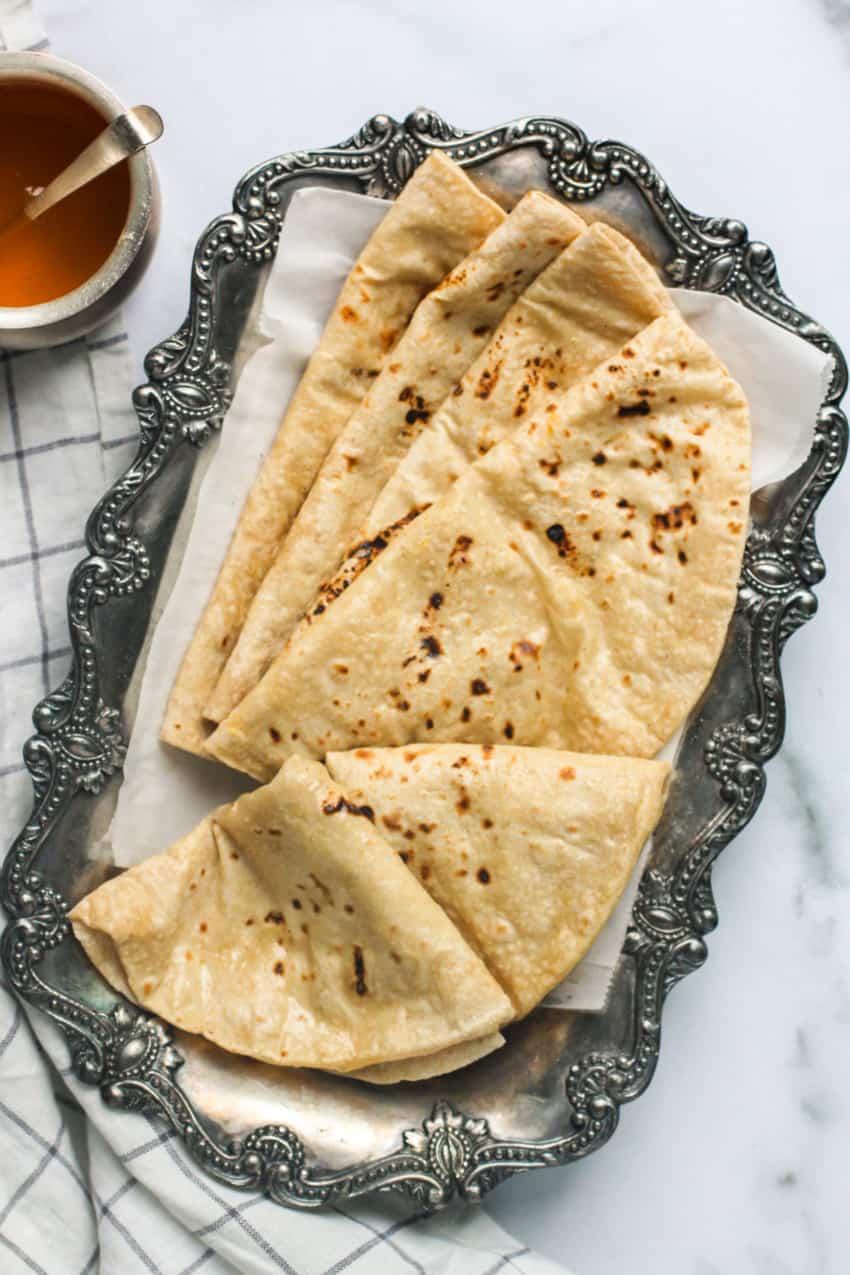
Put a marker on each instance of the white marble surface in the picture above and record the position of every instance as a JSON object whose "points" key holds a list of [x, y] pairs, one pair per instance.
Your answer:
{"points": [[735, 1160]]}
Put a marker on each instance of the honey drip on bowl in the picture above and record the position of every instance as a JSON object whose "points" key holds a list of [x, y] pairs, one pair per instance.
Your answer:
{"points": [[42, 129]]}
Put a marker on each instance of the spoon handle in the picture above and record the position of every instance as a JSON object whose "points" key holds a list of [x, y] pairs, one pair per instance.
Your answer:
{"points": [[127, 134]]}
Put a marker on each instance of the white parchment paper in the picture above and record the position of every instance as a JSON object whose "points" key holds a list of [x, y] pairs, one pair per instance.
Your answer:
{"points": [[165, 793]]}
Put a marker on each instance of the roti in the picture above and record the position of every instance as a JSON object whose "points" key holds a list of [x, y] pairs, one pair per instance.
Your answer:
{"points": [[572, 590], [593, 297], [588, 304], [286, 928], [449, 328], [526, 849], [581, 310], [439, 217]]}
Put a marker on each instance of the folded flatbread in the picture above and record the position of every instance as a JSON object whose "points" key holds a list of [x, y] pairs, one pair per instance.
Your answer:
{"points": [[448, 330], [582, 309], [437, 220], [588, 304], [572, 590], [526, 849], [286, 928]]}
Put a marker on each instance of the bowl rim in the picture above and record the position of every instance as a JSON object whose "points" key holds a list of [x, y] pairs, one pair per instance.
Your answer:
{"points": [[46, 68]]}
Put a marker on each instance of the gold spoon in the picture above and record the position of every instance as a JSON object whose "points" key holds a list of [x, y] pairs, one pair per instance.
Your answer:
{"points": [[126, 135]]}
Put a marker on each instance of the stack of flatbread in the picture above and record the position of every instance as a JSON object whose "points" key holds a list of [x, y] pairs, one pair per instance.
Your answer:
{"points": [[484, 573]]}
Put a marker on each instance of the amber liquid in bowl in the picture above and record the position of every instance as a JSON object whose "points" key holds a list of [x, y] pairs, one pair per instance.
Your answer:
{"points": [[42, 128]]}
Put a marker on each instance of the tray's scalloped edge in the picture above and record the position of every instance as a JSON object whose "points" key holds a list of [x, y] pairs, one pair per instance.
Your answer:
{"points": [[78, 741]]}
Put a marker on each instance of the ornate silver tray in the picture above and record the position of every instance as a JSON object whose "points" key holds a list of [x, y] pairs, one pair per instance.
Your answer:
{"points": [[553, 1094]]}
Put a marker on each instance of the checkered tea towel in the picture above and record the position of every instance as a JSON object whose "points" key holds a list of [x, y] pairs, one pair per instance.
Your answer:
{"points": [[84, 1190]]}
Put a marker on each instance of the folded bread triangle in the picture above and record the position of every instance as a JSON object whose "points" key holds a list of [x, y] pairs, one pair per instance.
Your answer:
{"points": [[448, 330], [573, 589], [526, 849], [438, 218], [596, 295], [286, 928]]}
